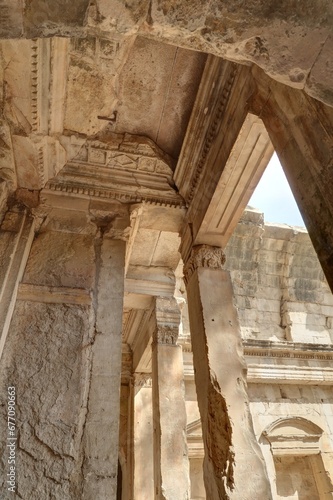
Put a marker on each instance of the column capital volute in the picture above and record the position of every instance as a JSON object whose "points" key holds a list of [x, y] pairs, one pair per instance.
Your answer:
{"points": [[203, 256]]}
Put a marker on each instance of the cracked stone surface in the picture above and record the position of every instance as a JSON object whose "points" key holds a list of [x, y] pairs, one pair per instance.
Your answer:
{"points": [[47, 360]]}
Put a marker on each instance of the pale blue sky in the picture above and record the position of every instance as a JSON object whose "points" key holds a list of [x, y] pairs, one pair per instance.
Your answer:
{"points": [[274, 197]]}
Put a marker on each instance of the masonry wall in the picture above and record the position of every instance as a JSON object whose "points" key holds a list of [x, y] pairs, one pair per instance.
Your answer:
{"points": [[46, 358], [279, 286], [314, 404]]}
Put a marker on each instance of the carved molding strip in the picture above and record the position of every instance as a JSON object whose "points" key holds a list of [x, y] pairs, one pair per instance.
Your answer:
{"points": [[289, 374], [124, 197], [53, 294], [291, 350], [211, 102], [34, 85], [203, 256], [126, 364]]}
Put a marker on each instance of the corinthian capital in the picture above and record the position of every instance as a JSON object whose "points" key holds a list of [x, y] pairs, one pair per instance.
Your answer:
{"points": [[203, 256], [166, 334]]}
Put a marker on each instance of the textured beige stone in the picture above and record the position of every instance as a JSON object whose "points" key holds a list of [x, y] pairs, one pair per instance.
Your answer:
{"points": [[231, 450], [103, 406], [45, 360], [154, 109]]}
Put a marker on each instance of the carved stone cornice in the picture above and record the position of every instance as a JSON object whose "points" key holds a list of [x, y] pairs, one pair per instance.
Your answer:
{"points": [[288, 362], [203, 256], [285, 349], [213, 95], [127, 168]]}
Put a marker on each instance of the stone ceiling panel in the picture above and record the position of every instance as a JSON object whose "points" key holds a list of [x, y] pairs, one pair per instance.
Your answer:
{"points": [[91, 87], [158, 86], [16, 60], [285, 39]]}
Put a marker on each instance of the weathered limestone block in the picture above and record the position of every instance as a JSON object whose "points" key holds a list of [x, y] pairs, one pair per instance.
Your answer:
{"points": [[280, 289], [46, 360], [231, 449], [61, 259], [42, 15], [290, 42]]}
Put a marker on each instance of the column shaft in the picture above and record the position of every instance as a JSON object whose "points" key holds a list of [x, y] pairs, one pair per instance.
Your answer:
{"points": [[170, 450], [233, 467], [102, 424], [16, 236], [143, 438]]}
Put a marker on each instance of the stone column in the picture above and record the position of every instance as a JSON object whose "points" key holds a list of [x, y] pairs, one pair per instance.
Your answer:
{"points": [[102, 423], [234, 468], [171, 471], [143, 437]]}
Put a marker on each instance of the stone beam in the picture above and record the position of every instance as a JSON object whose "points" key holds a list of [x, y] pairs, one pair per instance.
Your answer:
{"points": [[291, 43], [156, 281], [225, 152], [138, 330], [301, 130], [239, 178]]}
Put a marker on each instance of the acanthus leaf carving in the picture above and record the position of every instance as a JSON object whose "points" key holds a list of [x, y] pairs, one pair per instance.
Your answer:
{"points": [[203, 256], [166, 334]]}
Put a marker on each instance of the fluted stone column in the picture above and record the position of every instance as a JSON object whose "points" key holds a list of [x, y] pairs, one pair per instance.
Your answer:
{"points": [[143, 437], [171, 472], [233, 466]]}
